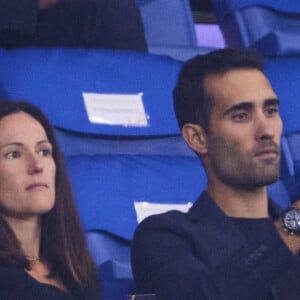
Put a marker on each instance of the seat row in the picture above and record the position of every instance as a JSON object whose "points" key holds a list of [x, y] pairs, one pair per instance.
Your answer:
{"points": [[270, 26], [169, 28]]}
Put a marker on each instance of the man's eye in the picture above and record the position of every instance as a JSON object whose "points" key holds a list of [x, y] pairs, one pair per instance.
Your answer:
{"points": [[271, 111], [240, 116], [13, 154]]}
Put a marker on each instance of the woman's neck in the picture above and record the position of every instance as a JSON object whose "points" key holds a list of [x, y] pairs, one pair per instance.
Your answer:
{"points": [[28, 233]]}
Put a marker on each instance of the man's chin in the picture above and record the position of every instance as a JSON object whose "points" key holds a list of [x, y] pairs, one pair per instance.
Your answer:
{"points": [[255, 182], [266, 180]]}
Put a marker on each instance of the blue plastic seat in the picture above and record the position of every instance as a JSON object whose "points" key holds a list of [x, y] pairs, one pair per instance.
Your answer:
{"points": [[110, 166], [293, 140], [279, 193], [291, 156], [112, 256], [169, 28], [284, 76], [168, 22], [270, 26]]}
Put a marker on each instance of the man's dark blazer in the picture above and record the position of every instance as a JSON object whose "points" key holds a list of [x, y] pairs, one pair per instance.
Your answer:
{"points": [[203, 254]]}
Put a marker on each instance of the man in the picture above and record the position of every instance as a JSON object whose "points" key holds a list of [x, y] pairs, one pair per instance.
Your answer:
{"points": [[231, 244], [109, 24]]}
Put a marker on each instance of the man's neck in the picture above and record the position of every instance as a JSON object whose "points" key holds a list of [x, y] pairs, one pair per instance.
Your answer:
{"points": [[240, 203], [44, 4]]}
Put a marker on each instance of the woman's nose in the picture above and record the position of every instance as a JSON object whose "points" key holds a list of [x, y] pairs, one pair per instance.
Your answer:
{"points": [[34, 164]]}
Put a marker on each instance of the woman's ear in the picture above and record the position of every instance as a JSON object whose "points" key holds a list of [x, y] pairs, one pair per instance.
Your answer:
{"points": [[195, 137]]}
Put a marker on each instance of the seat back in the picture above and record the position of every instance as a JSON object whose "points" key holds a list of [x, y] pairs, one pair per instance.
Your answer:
{"points": [[279, 193], [225, 7], [168, 22], [269, 26], [293, 140], [109, 166], [291, 157], [112, 256], [285, 78], [170, 29]]}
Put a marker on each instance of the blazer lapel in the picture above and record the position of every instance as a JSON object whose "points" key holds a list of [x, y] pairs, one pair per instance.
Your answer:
{"points": [[222, 236]]}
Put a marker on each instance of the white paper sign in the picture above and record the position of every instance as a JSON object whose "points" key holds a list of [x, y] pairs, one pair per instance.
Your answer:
{"points": [[145, 209], [115, 109]]}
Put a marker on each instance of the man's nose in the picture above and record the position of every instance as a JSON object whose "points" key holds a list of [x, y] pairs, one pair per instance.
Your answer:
{"points": [[265, 127]]}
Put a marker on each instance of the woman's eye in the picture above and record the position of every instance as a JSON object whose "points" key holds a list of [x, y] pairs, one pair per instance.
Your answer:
{"points": [[13, 154], [45, 152]]}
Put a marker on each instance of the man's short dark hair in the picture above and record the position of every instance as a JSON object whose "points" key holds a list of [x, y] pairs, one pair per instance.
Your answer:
{"points": [[192, 104]]}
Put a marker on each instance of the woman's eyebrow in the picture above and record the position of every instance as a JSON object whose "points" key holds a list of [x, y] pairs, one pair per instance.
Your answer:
{"points": [[44, 142], [12, 144]]}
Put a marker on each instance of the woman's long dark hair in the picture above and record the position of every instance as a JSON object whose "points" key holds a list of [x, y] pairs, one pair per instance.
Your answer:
{"points": [[63, 244]]}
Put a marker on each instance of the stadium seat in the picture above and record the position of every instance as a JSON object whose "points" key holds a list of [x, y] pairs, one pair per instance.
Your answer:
{"points": [[291, 157], [110, 166], [284, 76], [279, 193], [293, 144], [169, 28], [270, 26], [112, 254]]}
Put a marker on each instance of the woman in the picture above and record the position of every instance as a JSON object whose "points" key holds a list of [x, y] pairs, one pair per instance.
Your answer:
{"points": [[43, 253]]}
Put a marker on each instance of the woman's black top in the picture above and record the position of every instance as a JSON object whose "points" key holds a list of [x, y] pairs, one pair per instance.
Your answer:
{"points": [[16, 284]]}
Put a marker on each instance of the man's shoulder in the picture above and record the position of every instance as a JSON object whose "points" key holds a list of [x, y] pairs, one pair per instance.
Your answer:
{"points": [[169, 220], [200, 213], [112, 3]]}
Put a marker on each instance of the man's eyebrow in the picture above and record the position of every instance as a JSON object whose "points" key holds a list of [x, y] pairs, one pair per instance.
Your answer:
{"points": [[239, 106], [250, 105], [272, 101]]}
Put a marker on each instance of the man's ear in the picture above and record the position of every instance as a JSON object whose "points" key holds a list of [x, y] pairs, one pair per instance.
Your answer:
{"points": [[195, 137]]}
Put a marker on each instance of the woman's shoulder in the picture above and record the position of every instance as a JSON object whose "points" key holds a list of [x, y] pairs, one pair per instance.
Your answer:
{"points": [[17, 284], [10, 274], [12, 282]]}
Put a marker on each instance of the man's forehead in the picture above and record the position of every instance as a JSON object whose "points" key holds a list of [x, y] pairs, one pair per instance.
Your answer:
{"points": [[236, 86], [232, 76]]}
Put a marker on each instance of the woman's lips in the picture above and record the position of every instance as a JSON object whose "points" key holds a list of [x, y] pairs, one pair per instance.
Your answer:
{"points": [[37, 186]]}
